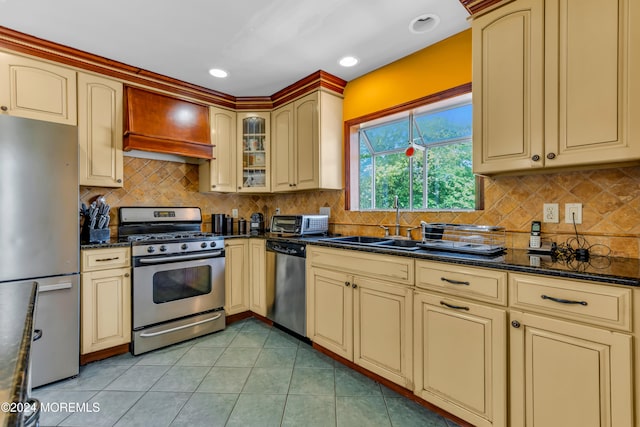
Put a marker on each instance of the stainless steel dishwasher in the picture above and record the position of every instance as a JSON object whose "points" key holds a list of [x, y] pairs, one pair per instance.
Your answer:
{"points": [[286, 287]]}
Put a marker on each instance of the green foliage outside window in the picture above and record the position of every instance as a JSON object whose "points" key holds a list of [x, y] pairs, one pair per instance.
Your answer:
{"points": [[439, 174]]}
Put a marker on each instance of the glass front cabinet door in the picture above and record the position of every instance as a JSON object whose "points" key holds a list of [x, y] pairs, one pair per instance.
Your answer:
{"points": [[254, 155]]}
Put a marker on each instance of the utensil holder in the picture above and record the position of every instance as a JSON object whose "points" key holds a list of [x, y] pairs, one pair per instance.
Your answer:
{"points": [[94, 235]]}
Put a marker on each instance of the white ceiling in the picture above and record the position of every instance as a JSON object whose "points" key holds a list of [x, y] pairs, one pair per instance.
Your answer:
{"points": [[265, 45]]}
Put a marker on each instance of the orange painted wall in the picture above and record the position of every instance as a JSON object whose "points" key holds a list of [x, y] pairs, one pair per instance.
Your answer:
{"points": [[433, 69]]}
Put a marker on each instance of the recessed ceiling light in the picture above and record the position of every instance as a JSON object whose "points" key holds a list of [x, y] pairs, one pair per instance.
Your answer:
{"points": [[217, 72], [348, 61], [424, 23]]}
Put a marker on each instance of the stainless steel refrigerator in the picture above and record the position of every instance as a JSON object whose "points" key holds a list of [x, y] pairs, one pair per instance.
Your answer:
{"points": [[39, 239]]}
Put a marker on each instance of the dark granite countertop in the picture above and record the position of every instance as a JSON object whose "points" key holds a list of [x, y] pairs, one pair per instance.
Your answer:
{"points": [[17, 306], [110, 244], [611, 270]]}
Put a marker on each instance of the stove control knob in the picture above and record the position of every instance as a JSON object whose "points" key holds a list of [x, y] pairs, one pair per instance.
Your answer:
{"points": [[212, 244], [203, 245], [151, 249], [184, 247], [163, 248]]}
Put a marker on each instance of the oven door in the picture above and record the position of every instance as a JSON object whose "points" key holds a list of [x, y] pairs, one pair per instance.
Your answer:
{"points": [[171, 287]]}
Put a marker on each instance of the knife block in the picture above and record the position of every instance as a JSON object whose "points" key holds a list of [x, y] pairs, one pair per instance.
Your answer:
{"points": [[93, 235]]}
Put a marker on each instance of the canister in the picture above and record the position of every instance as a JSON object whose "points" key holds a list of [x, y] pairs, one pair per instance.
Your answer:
{"points": [[242, 226]]}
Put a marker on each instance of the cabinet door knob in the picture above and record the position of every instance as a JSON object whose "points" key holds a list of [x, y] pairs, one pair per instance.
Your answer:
{"points": [[535, 158], [354, 286], [347, 284], [515, 324], [239, 188], [213, 186], [551, 156], [119, 181], [126, 274], [4, 108]]}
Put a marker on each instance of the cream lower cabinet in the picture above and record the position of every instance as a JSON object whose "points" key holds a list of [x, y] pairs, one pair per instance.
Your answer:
{"points": [[236, 286], [460, 341], [566, 370], [365, 320], [100, 103], [257, 276], [37, 90], [567, 374], [105, 299]]}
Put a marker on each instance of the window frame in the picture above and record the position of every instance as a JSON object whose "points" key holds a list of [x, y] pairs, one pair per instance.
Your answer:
{"points": [[351, 145]]}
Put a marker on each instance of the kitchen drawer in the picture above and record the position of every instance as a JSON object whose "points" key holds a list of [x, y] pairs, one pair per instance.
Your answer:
{"points": [[588, 302], [470, 282], [101, 259], [383, 267]]}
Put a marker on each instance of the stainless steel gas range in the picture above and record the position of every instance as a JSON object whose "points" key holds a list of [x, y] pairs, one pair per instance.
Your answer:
{"points": [[178, 275]]}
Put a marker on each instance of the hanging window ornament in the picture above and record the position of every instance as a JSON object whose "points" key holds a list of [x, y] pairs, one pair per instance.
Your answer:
{"points": [[410, 149]]}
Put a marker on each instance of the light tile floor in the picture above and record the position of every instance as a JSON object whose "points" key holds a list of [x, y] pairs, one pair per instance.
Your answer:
{"points": [[247, 375]]}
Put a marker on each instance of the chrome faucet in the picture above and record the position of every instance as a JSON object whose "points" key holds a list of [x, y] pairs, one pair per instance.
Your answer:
{"points": [[396, 206]]}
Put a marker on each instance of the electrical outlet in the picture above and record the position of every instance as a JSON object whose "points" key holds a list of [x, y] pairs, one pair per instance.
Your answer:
{"points": [[277, 211], [234, 213], [573, 213], [325, 211], [550, 213]]}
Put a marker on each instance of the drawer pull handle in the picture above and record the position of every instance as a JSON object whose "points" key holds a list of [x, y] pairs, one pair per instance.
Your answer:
{"points": [[455, 307], [107, 259], [454, 282], [563, 301]]}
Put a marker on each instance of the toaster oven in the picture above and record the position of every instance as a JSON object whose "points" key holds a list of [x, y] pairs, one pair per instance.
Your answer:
{"points": [[300, 225]]}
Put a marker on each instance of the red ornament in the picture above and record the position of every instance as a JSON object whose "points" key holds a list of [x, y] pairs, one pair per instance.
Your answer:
{"points": [[409, 151]]}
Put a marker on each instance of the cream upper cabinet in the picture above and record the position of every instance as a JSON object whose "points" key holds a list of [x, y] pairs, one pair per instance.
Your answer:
{"points": [[460, 355], [307, 143], [37, 90], [100, 103], [105, 299], [219, 173], [283, 154], [254, 156], [361, 318], [257, 276], [236, 288], [549, 91], [568, 364]]}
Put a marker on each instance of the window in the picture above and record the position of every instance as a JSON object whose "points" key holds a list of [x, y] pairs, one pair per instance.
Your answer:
{"points": [[434, 172]]}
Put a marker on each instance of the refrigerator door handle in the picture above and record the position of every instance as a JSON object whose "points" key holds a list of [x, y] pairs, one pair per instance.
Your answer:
{"points": [[55, 287]]}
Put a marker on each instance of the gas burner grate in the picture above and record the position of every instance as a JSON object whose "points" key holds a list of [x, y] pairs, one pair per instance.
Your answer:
{"points": [[167, 236]]}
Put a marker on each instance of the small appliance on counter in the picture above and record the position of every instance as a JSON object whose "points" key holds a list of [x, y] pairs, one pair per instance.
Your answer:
{"points": [[218, 224], [256, 224], [242, 226], [300, 225]]}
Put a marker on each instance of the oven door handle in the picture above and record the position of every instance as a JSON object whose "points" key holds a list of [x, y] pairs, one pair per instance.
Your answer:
{"points": [[177, 328], [179, 258]]}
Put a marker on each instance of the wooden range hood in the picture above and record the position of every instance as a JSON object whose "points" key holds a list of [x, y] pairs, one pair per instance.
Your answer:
{"points": [[164, 124]]}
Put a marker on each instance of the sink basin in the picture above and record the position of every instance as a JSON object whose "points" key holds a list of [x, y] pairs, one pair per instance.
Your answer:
{"points": [[407, 245], [385, 242], [357, 240]]}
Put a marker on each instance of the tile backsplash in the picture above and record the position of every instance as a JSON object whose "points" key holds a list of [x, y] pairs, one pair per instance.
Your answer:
{"points": [[610, 200]]}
